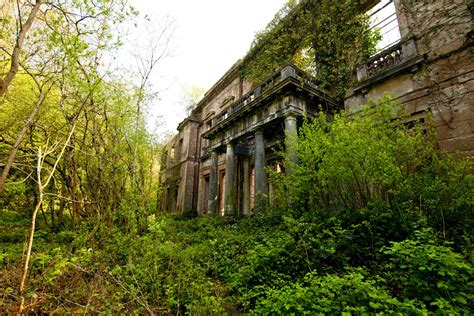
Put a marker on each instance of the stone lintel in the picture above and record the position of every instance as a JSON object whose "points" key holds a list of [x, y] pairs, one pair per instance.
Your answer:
{"points": [[242, 150]]}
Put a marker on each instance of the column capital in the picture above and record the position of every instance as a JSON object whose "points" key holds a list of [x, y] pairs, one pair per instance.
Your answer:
{"points": [[290, 115], [258, 130]]}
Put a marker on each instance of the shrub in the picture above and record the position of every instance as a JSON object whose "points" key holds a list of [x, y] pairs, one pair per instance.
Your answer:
{"points": [[435, 274], [332, 294], [371, 162], [160, 271]]}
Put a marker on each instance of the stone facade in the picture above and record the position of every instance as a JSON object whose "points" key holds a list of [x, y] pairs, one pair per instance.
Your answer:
{"points": [[216, 163], [430, 70]]}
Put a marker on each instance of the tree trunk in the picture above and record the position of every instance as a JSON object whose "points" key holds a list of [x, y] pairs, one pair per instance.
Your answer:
{"points": [[18, 46], [41, 187], [32, 234]]}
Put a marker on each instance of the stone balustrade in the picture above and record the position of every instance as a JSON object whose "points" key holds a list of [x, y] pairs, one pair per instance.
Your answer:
{"points": [[284, 73], [387, 59]]}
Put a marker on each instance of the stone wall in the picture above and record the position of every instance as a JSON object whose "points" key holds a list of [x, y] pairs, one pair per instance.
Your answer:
{"points": [[179, 176], [430, 70], [182, 176], [439, 77], [233, 91]]}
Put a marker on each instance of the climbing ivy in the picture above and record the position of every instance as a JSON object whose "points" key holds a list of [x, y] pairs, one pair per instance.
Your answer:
{"points": [[324, 37]]}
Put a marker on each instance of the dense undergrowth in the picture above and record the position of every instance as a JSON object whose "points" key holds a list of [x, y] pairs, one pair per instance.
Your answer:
{"points": [[372, 219]]}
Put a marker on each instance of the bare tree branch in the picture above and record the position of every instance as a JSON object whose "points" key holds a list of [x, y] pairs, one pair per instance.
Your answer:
{"points": [[41, 186]]}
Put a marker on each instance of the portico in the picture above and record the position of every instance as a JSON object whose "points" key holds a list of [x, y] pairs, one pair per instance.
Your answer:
{"points": [[246, 134]]}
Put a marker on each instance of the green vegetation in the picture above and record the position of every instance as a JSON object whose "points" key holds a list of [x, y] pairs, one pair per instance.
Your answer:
{"points": [[74, 145], [373, 219], [328, 39]]}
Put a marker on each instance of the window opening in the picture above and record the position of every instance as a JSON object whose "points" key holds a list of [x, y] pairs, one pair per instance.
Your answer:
{"points": [[383, 18], [205, 199], [181, 146]]}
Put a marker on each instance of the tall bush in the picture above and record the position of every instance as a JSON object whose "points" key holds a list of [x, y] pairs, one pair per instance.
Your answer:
{"points": [[371, 165]]}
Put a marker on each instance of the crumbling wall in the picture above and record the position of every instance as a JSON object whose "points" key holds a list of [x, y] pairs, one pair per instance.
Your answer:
{"points": [[443, 82]]}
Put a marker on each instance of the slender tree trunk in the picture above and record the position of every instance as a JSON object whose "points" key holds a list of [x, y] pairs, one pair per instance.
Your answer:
{"points": [[41, 187], [73, 189], [18, 46], [32, 233]]}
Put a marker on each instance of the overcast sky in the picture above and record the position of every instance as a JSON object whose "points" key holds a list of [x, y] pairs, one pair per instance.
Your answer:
{"points": [[209, 37]]}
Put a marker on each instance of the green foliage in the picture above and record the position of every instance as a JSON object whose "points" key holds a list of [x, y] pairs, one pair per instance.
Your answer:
{"points": [[373, 219], [107, 175], [326, 38], [273, 46], [432, 273], [159, 271], [350, 293], [269, 263], [370, 166], [347, 235]]}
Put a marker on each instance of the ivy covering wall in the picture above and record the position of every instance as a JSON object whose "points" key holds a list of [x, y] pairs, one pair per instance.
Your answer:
{"points": [[325, 38]]}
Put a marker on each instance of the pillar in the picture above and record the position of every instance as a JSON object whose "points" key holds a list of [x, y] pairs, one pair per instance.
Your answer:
{"points": [[291, 134], [212, 203], [229, 180], [260, 200], [246, 186]]}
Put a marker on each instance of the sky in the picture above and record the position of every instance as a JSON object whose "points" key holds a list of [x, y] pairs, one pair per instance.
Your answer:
{"points": [[208, 37]]}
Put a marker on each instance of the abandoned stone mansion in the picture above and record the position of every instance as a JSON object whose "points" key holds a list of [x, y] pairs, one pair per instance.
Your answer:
{"points": [[217, 161]]}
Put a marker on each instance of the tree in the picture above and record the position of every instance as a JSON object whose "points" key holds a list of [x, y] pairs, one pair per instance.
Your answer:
{"points": [[22, 31], [190, 96], [41, 187], [43, 90], [66, 43], [108, 170]]}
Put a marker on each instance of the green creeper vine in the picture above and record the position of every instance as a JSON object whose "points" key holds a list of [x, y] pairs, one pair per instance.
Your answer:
{"points": [[324, 37]]}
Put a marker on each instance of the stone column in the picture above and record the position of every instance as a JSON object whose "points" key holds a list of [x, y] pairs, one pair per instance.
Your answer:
{"points": [[291, 134], [260, 200], [229, 180], [212, 203], [246, 186]]}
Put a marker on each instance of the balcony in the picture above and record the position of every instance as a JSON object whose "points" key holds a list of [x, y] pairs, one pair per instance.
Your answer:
{"points": [[397, 58], [267, 85]]}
